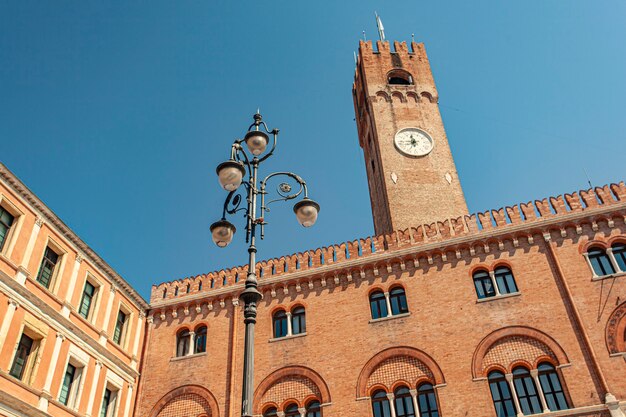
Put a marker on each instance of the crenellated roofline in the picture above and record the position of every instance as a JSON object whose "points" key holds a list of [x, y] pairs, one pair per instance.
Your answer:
{"points": [[438, 241]]}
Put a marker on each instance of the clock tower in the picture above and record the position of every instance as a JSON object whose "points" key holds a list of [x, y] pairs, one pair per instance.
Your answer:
{"points": [[411, 174]]}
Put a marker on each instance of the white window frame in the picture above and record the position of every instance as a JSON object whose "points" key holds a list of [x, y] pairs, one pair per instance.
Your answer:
{"points": [[95, 301], [609, 253], [124, 339], [113, 383], [59, 268], [79, 359], [32, 365], [16, 227]]}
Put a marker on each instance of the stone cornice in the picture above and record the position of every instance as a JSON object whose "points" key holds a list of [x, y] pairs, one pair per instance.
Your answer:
{"points": [[81, 247]]}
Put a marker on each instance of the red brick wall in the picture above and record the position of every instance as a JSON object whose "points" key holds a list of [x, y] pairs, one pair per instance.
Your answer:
{"points": [[446, 324]]}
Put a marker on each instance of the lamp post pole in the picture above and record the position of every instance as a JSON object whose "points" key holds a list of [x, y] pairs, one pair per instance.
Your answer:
{"points": [[231, 175]]}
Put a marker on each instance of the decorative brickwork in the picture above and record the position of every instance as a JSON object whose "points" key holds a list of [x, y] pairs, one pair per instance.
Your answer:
{"points": [[616, 330], [186, 401], [399, 368], [186, 405], [513, 349], [509, 346], [292, 387]]}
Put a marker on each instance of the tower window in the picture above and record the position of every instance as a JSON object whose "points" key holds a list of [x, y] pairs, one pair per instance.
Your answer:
{"points": [[399, 77]]}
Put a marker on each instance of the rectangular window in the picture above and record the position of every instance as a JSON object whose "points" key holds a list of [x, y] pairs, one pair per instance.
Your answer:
{"points": [[108, 403], [20, 361], [119, 327], [6, 221], [66, 387], [46, 270], [85, 302]]}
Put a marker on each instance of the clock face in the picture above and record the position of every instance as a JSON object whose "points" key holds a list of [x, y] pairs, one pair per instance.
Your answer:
{"points": [[413, 142]]}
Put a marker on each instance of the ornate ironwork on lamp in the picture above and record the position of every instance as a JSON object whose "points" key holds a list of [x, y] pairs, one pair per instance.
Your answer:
{"points": [[242, 169]]}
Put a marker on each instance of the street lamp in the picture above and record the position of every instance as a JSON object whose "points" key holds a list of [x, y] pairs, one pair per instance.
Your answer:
{"points": [[231, 175]]}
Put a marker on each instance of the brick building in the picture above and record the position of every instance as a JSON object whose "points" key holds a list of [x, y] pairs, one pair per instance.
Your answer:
{"points": [[514, 311]]}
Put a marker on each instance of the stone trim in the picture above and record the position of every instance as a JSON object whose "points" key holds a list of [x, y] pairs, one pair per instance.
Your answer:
{"points": [[78, 244]]}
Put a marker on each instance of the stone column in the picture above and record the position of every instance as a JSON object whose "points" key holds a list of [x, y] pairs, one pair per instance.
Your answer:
{"points": [[67, 304], [141, 317], [107, 316], [129, 394], [388, 302], [492, 275], [28, 253], [390, 396], [7, 319], [302, 412], [192, 340], [53, 362], [289, 329], [535, 374], [416, 405], [609, 253], [94, 386], [509, 379]]}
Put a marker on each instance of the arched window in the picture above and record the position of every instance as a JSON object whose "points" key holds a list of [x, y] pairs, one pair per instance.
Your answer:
{"points": [[292, 411], [619, 252], [380, 404], [399, 77], [551, 387], [270, 412], [397, 298], [483, 284], [313, 409], [600, 262], [280, 324], [182, 342], [403, 403], [526, 391], [505, 280], [298, 320], [427, 401], [378, 304], [200, 344], [501, 395]]}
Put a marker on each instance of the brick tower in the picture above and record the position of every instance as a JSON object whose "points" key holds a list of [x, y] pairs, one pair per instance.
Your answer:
{"points": [[411, 174]]}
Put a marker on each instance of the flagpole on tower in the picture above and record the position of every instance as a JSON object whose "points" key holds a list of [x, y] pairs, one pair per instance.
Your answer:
{"points": [[381, 28]]}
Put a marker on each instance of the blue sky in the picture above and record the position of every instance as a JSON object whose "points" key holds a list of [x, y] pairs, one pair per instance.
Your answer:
{"points": [[116, 113]]}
